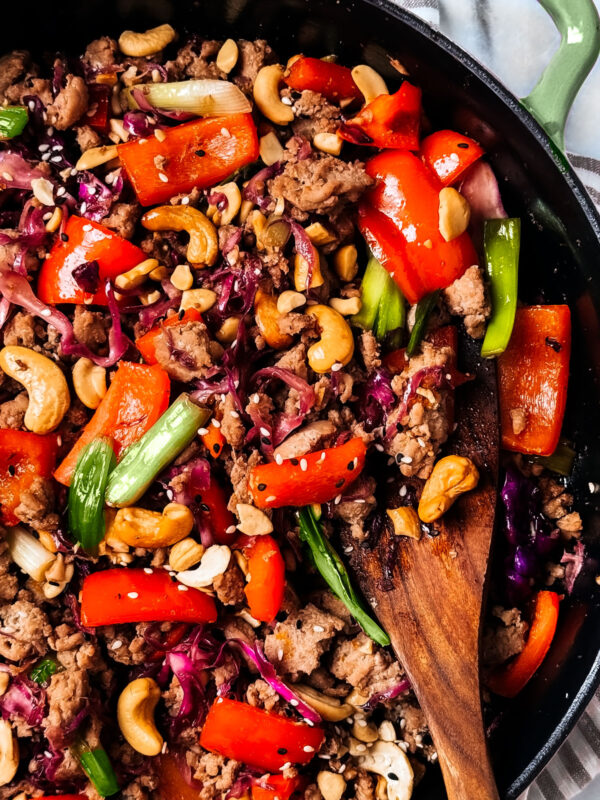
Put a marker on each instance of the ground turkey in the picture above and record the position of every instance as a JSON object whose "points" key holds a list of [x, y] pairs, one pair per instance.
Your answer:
{"points": [[101, 54], [186, 351], [232, 426], [20, 330], [261, 695], [296, 645], [12, 412], [314, 115], [25, 629], [251, 58], [123, 218], [196, 61], [321, 184], [68, 694], [238, 475], [90, 327], [87, 138], [36, 505], [230, 586], [70, 104], [503, 636], [215, 773], [365, 666], [467, 298], [9, 583]]}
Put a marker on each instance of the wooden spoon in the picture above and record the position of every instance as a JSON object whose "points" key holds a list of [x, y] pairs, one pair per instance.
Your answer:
{"points": [[429, 596]]}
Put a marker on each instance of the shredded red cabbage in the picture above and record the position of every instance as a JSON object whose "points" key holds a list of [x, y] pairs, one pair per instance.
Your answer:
{"points": [[388, 694], [573, 563], [15, 172], [257, 185], [136, 123], [218, 199], [304, 248], [284, 424], [16, 289], [375, 399], [354, 133], [87, 276], [141, 98], [437, 374], [267, 672], [25, 699], [480, 187], [95, 197]]}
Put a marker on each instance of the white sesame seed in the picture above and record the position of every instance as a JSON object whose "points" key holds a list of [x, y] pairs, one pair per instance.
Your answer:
{"points": [[31, 105], [202, 431], [318, 629], [83, 209], [308, 749], [406, 460], [280, 654], [287, 765], [234, 414], [355, 462], [337, 500], [303, 464], [170, 494], [402, 491], [348, 550], [265, 432], [361, 748], [230, 529], [133, 595], [7, 176], [294, 702], [56, 159], [46, 312], [164, 747], [287, 101], [322, 456], [256, 398], [185, 201], [46, 157], [215, 423], [148, 570], [336, 367], [163, 177], [182, 588], [225, 132], [47, 216], [278, 458], [43, 147], [50, 131], [270, 498], [60, 191], [116, 644]]}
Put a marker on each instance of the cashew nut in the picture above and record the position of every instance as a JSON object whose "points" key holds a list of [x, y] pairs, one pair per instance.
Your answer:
{"points": [[9, 753], [43, 190], [228, 330], [185, 554], [336, 345], [266, 95], [200, 299], [301, 272], [214, 563], [53, 223], [332, 785], [147, 43], [135, 277], [182, 277], [345, 262], [4, 681], [328, 143], [253, 521], [364, 731], [89, 382], [57, 577], [389, 761], [318, 234], [369, 82], [330, 708], [96, 156], [267, 319], [346, 306], [203, 247], [46, 386], [227, 56], [451, 477], [289, 300], [234, 201], [135, 715], [149, 297], [271, 149], [454, 213], [139, 527], [405, 521]]}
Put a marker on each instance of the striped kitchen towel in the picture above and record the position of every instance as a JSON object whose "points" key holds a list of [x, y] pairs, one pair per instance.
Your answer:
{"points": [[515, 39]]}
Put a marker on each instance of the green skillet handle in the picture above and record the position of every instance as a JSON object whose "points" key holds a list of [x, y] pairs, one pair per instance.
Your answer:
{"points": [[552, 98]]}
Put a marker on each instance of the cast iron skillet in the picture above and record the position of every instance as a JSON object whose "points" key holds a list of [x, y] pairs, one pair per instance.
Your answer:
{"points": [[559, 262]]}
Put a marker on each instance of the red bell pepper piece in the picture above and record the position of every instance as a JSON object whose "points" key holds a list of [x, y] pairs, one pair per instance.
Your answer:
{"points": [[533, 374], [213, 440], [197, 154], [399, 218], [449, 153], [266, 567], [99, 97], [213, 507], [509, 680], [171, 783], [86, 241], [63, 797], [23, 457], [314, 478], [332, 80], [117, 596], [146, 344], [390, 121], [171, 638], [259, 738], [135, 399], [280, 788]]}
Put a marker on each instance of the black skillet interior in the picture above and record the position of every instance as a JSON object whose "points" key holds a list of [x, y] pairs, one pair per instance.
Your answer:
{"points": [[559, 260]]}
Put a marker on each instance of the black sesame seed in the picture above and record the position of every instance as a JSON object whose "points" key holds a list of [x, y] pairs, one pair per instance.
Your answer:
{"points": [[200, 153], [351, 465], [217, 447], [463, 145], [12, 469], [181, 313], [281, 616], [298, 624], [556, 346], [198, 498], [204, 507], [58, 201], [399, 457], [265, 440], [261, 487], [392, 776], [64, 237], [399, 426], [340, 483], [282, 750], [294, 461]]}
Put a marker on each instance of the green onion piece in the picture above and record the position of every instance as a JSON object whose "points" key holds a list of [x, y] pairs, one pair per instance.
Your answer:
{"points": [[501, 242], [86, 493], [12, 121], [96, 765], [43, 671], [424, 309], [145, 459], [383, 308], [205, 97], [331, 567], [561, 460]]}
